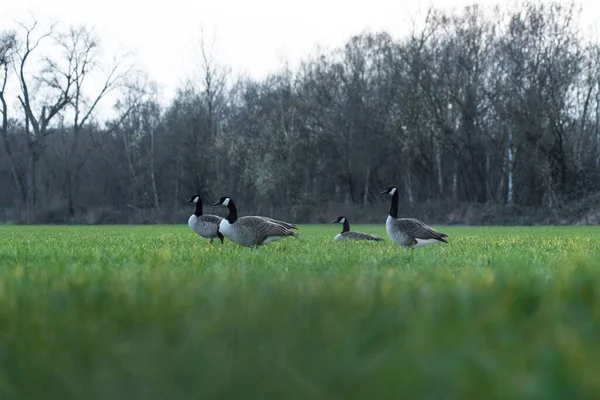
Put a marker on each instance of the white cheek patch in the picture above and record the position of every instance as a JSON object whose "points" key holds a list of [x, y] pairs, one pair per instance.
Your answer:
{"points": [[343, 220], [393, 191], [226, 202], [196, 200]]}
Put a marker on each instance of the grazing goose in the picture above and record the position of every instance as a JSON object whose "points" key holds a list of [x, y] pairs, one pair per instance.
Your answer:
{"points": [[252, 231], [347, 234], [408, 232], [205, 225]]}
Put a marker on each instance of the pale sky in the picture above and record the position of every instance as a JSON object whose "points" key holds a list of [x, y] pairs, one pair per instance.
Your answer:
{"points": [[252, 37]]}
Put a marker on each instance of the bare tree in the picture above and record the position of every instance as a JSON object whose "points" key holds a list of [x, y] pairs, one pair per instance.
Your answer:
{"points": [[150, 114], [597, 85], [80, 52], [136, 122], [203, 101], [56, 92], [8, 45]]}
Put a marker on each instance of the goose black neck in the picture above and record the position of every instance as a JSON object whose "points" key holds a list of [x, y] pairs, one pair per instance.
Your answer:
{"points": [[394, 206], [232, 216], [346, 226], [198, 211]]}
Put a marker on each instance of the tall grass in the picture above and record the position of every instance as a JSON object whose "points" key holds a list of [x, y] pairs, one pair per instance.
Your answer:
{"points": [[154, 312]]}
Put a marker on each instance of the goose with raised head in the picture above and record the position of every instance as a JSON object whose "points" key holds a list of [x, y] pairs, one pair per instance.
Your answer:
{"points": [[408, 232], [252, 231], [205, 225], [347, 234]]}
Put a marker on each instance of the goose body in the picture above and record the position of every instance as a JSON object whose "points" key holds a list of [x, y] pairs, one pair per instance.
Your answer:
{"points": [[205, 225], [409, 232], [347, 234], [252, 231]]}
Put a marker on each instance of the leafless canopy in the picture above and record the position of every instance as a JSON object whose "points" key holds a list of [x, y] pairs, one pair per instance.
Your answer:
{"points": [[480, 109]]}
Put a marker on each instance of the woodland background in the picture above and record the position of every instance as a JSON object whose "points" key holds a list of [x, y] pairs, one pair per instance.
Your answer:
{"points": [[485, 116]]}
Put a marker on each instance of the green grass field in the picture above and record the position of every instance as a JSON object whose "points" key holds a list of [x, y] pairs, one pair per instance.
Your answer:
{"points": [[154, 312]]}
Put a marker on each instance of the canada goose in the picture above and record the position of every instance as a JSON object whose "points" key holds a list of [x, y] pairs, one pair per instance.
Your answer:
{"points": [[408, 232], [347, 234], [205, 225], [252, 231]]}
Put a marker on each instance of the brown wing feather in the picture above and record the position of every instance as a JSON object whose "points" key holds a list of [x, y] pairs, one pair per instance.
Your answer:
{"points": [[419, 230]]}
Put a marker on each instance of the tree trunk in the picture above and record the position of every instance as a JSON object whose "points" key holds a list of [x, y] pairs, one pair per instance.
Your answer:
{"points": [[71, 202], [455, 181], [598, 128], [349, 191], [30, 182], [152, 174], [70, 193], [17, 181], [366, 194], [408, 180], [509, 159], [501, 182], [177, 183], [488, 181], [13, 170], [438, 167]]}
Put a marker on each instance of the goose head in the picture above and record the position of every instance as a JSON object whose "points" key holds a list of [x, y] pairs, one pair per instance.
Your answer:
{"points": [[391, 190], [339, 220], [224, 201], [194, 199]]}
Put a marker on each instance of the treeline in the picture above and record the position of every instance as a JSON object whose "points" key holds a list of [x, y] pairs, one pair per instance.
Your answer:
{"points": [[475, 116]]}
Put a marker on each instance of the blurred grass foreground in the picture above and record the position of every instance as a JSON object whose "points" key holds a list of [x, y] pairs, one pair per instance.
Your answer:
{"points": [[155, 312]]}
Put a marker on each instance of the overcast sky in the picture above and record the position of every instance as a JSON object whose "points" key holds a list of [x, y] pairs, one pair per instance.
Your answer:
{"points": [[252, 36]]}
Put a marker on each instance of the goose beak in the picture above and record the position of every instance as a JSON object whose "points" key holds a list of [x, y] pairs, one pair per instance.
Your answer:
{"points": [[188, 201], [216, 203], [334, 221], [384, 192]]}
